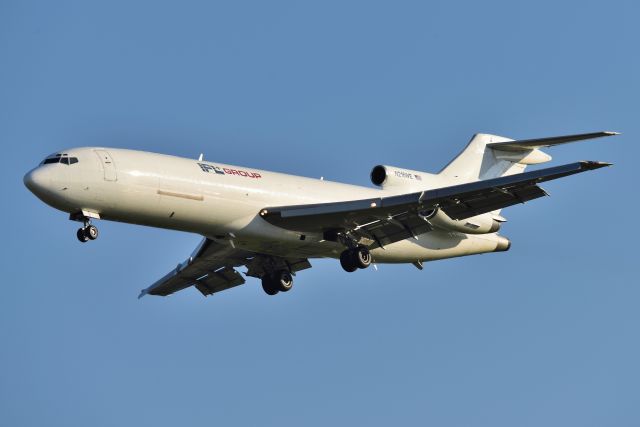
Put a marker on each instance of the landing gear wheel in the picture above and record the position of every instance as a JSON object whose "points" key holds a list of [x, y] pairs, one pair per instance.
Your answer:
{"points": [[81, 235], [279, 281], [355, 258], [268, 285], [347, 261], [361, 257], [91, 232], [283, 281]]}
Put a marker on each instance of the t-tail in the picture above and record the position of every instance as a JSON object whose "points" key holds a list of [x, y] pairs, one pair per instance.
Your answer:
{"points": [[492, 156]]}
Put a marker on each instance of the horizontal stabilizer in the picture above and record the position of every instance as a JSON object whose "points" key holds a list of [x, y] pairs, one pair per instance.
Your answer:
{"points": [[531, 144]]}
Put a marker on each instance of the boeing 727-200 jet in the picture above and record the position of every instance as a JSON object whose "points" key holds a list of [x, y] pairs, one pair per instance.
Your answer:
{"points": [[272, 223]]}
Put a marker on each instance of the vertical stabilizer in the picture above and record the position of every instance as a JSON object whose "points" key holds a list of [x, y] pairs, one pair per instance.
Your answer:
{"points": [[478, 161]]}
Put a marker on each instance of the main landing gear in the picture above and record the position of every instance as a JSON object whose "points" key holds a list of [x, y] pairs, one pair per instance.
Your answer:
{"points": [[355, 258], [88, 232], [279, 281]]}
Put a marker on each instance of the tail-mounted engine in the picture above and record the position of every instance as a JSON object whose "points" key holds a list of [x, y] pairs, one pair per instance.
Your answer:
{"points": [[390, 177]]}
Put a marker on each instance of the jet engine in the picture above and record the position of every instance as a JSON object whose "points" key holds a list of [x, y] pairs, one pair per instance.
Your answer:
{"points": [[391, 177]]}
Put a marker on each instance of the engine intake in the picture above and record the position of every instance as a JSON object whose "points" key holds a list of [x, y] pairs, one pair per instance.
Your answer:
{"points": [[378, 175]]}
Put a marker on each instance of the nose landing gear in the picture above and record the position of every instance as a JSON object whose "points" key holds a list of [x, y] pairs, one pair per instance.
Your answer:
{"points": [[88, 231]]}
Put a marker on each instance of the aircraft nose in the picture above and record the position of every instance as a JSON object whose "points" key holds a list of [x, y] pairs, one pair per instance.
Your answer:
{"points": [[37, 181]]}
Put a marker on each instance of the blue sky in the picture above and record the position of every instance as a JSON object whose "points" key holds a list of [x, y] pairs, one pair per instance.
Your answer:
{"points": [[545, 334]]}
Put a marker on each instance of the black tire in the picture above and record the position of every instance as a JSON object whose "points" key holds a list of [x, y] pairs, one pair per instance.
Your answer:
{"points": [[347, 262], [91, 232], [283, 281], [80, 234], [362, 257], [268, 286]]}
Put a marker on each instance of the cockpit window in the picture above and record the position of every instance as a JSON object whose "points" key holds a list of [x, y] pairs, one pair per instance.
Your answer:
{"points": [[60, 158]]}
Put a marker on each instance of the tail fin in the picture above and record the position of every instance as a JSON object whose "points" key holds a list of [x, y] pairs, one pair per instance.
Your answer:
{"points": [[492, 156], [476, 162]]}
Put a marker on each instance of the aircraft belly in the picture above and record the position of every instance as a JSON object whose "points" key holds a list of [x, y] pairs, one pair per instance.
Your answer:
{"points": [[290, 249], [435, 245], [253, 233], [430, 246]]}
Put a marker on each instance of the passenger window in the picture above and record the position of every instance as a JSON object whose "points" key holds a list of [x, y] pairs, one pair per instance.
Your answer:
{"points": [[73, 160]]}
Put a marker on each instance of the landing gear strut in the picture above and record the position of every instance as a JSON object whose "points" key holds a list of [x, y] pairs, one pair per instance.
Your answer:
{"points": [[88, 232], [355, 258], [279, 281]]}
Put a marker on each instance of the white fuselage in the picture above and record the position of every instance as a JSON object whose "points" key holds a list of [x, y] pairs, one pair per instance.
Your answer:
{"points": [[221, 202]]}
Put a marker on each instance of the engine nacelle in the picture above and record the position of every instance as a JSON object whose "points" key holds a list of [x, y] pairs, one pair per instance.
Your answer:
{"points": [[390, 176], [480, 224]]}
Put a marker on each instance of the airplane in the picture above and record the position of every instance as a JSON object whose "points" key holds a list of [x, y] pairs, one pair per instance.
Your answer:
{"points": [[273, 223]]}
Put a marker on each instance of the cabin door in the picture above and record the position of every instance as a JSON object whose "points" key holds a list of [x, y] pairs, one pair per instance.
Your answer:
{"points": [[108, 166]]}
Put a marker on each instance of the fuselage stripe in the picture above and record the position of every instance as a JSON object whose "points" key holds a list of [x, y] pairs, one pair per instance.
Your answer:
{"points": [[180, 195]]}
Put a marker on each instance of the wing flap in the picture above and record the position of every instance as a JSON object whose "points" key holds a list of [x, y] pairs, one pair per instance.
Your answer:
{"points": [[219, 280], [392, 229], [492, 201]]}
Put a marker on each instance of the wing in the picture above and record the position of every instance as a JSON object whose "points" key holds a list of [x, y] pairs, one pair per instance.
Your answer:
{"points": [[211, 269], [390, 219]]}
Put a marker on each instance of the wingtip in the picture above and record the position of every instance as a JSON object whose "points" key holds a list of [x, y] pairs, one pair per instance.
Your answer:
{"points": [[611, 133], [589, 164], [142, 293]]}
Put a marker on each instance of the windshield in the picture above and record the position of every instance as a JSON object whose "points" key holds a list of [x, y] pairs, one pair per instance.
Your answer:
{"points": [[60, 158]]}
